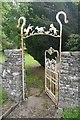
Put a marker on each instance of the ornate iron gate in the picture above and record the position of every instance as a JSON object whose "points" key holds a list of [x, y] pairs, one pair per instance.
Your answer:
{"points": [[52, 67], [52, 75]]}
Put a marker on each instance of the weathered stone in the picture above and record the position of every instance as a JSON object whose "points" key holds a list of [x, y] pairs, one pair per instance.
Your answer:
{"points": [[12, 74], [69, 82], [15, 73]]}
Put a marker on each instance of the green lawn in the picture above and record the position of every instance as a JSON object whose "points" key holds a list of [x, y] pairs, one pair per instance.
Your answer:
{"points": [[34, 80], [29, 61]]}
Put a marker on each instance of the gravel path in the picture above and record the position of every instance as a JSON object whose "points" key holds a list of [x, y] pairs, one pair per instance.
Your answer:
{"points": [[35, 107]]}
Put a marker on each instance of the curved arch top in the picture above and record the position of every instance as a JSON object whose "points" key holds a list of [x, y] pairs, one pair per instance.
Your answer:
{"points": [[52, 31], [36, 34]]}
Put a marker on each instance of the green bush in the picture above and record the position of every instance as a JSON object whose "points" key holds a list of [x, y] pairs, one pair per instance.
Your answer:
{"points": [[71, 113], [73, 43]]}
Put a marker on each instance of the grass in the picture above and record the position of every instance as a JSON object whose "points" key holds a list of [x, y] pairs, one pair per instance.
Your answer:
{"points": [[35, 81], [2, 57], [71, 113], [32, 80], [3, 96], [29, 61]]}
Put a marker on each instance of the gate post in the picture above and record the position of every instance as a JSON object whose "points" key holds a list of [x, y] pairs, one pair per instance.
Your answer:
{"points": [[12, 74]]}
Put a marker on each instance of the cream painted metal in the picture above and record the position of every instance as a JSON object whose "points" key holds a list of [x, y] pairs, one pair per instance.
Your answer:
{"points": [[52, 75], [54, 68], [22, 46]]}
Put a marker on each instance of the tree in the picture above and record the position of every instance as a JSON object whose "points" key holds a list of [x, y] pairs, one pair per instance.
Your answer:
{"points": [[10, 15], [73, 42], [41, 14]]}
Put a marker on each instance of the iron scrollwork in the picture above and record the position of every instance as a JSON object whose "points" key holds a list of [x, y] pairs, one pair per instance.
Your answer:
{"points": [[40, 30]]}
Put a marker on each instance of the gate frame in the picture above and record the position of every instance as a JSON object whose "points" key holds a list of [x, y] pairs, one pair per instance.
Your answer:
{"points": [[48, 91], [40, 33]]}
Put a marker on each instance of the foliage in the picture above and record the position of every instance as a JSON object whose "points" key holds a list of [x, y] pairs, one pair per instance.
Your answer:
{"points": [[36, 13], [73, 43], [79, 17], [10, 15], [44, 16], [3, 96], [71, 113]]}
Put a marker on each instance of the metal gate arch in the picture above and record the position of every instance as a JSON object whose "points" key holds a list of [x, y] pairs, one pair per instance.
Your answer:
{"points": [[54, 68]]}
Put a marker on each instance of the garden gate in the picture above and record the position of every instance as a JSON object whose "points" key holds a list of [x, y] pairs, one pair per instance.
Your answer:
{"points": [[52, 67], [52, 75]]}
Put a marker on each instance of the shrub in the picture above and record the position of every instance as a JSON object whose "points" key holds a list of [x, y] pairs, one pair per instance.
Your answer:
{"points": [[71, 113], [73, 42]]}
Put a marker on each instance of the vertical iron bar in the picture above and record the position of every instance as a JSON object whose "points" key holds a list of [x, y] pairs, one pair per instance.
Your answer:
{"points": [[66, 21], [22, 47]]}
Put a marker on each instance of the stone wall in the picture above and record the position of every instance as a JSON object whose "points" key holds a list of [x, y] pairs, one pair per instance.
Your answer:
{"points": [[70, 80], [12, 74], [70, 77]]}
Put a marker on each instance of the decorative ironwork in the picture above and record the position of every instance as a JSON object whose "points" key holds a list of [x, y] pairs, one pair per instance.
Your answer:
{"points": [[52, 66], [52, 75], [29, 31], [53, 30]]}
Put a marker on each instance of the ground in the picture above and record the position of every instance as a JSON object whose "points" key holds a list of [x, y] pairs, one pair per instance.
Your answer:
{"points": [[35, 107], [38, 104]]}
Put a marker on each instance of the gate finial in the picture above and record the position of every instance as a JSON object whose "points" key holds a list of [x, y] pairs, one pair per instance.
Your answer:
{"points": [[24, 22], [59, 21]]}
